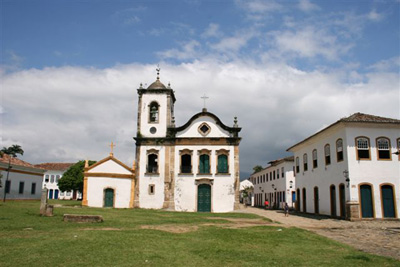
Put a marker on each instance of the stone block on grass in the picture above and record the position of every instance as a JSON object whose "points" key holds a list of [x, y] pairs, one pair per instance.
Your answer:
{"points": [[83, 218]]}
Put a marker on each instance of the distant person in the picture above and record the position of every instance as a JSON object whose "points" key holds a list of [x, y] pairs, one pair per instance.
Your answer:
{"points": [[266, 203], [286, 208]]}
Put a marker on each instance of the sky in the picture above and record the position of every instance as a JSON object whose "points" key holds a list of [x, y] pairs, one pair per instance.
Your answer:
{"points": [[70, 69]]}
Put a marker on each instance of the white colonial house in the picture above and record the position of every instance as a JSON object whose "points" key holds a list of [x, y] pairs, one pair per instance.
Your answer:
{"points": [[194, 167], [24, 180], [350, 169], [275, 183], [54, 172]]}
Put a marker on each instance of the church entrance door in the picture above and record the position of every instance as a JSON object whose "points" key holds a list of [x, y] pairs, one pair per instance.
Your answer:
{"points": [[109, 198], [204, 198]]}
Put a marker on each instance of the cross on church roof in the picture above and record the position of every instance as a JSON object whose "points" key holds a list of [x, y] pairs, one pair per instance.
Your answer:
{"points": [[112, 147], [204, 97]]}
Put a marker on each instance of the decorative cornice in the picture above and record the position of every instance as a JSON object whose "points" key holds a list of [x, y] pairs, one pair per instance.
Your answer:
{"points": [[142, 91], [109, 175], [188, 141]]}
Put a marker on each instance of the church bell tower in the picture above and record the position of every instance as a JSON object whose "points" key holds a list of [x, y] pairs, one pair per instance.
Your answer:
{"points": [[155, 109]]}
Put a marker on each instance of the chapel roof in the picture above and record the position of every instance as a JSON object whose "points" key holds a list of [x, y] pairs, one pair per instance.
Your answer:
{"points": [[354, 118], [51, 166]]}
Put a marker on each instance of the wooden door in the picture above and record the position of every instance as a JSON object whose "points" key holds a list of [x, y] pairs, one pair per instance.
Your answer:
{"points": [[109, 198], [204, 198], [367, 210], [333, 201], [56, 194], [304, 200], [342, 198], [316, 200], [51, 194], [387, 201]]}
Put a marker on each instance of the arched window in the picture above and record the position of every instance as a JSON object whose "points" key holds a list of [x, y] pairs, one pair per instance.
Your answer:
{"points": [[383, 146], [362, 146], [305, 162], [339, 150], [297, 165], [327, 150], [277, 174], [52, 179], [152, 163], [154, 110], [283, 172], [315, 158]]}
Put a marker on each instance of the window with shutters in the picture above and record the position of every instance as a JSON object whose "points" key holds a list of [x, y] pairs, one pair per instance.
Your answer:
{"points": [[222, 161], [339, 150], [204, 162], [305, 162], [315, 158], [327, 150], [362, 147], [383, 147]]}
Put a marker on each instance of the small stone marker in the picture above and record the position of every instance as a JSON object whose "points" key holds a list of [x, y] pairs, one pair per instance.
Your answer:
{"points": [[83, 218], [43, 202], [49, 210]]}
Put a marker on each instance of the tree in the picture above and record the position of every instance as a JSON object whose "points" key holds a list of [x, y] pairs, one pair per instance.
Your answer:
{"points": [[12, 150], [72, 179], [257, 168]]}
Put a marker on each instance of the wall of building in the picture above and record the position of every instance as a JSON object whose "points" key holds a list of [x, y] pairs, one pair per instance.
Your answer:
{"points": [[97, 185], [28, 179], [374, 171], [222, 189], [147, 200]]}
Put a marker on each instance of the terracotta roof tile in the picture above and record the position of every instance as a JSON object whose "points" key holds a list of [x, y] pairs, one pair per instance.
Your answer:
{"points": [[361, 117], [15, 161], [54, 166]]}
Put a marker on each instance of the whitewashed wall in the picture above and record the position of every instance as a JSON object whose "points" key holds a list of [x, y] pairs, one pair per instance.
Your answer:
{"points": [[222, 190], [15, 179], [192, 130], [156, 200], [97, 185]]}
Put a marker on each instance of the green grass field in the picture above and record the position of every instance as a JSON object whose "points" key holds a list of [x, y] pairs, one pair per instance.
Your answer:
{"points": [[27, 239]]}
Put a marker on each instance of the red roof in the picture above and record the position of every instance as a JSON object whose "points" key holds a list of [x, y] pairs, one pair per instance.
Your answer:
{"points": [[15, 161], [54, 166]]}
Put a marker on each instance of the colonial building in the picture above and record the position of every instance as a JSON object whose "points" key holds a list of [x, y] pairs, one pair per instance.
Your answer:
{"points": [[350, 168], [275, 183], [194, 167], [108, 183], [24, 180], [54, 172]]}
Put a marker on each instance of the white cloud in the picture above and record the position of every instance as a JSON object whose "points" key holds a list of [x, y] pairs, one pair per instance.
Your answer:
{"points": [[391, 64], [310, 42], [212, 31], [374, 16], [188, 50], [307, 6], [71, 113], [256, 9]]}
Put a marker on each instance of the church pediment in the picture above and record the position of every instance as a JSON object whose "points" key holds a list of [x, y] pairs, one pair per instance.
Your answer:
{"points": [[205, 124], [109, 165]]}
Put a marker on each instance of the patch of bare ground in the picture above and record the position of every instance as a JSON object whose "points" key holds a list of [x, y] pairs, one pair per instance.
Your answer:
{"points": [[101, 229], [172, 228]]}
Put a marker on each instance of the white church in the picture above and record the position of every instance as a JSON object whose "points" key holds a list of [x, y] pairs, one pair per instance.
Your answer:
{"points": [[194, 167]]}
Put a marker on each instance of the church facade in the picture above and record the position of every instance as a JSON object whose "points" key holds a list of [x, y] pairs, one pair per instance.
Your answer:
{"points": [[194, 167]]}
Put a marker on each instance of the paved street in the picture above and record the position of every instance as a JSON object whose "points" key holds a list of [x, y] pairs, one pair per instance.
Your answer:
{"points": [[377, 237]]}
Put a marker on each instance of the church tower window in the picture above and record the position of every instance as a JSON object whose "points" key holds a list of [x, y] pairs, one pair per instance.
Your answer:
{"points": [[154, 112]]}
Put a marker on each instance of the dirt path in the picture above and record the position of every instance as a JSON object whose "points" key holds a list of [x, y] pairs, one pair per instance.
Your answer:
{"points": [[377, 237]]}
